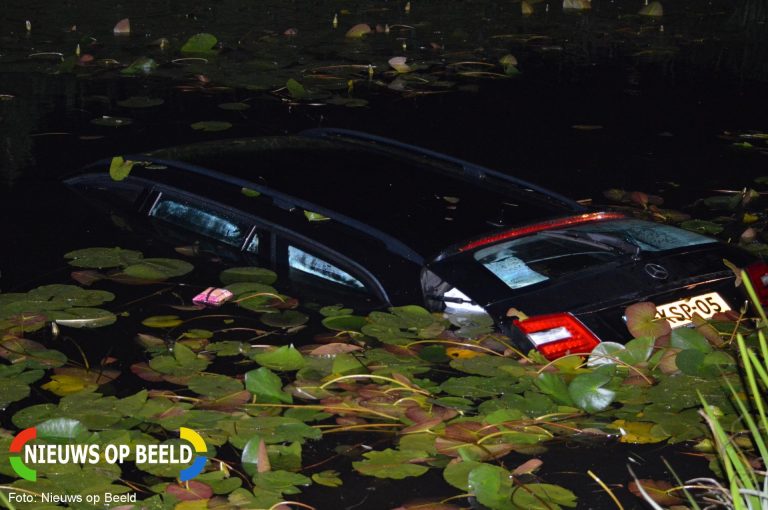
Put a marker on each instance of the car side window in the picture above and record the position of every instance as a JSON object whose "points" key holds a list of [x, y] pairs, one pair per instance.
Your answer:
{"points": [[200, 218], [304, 262]]}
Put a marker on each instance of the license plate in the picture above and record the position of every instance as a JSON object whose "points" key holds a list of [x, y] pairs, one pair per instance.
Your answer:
{"points": [[679, 313]]}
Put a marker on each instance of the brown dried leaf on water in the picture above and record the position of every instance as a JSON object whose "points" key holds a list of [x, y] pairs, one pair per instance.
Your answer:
{"points": [[334, 348], [191, 250], [399, 65], [358, 31], [87, 277], [143, 371], [528, 467], [709, 332], [95, 376], [736, 271], [123, 27], [262, 464], [668, 363], [749, 235], [639, 198], [658, 490]]}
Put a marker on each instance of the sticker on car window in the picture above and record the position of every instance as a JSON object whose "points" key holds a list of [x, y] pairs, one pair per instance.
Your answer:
{"points": [[511, 270]]}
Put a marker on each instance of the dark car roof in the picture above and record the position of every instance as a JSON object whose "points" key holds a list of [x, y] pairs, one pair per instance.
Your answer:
{"points": [[406, 192]]}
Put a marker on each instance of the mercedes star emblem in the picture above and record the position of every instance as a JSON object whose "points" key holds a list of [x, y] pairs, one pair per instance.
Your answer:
{"points": [[656, 271]]}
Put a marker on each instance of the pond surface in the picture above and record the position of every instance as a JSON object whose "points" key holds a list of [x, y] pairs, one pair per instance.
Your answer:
{"points": [[598, 99]]}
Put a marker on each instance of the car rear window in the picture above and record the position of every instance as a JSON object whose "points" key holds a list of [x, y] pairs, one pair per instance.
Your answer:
{"points": [[648, 236], [533, 259]]}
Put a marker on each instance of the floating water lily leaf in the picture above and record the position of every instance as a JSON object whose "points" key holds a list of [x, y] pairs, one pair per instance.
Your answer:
{"points": [[235, 107], [214, 385], [457, 473], [295, 89], [183, 362], [162, 321], [637, 351], [642, 321], [250, 193], [211, 126], [200, 44], [389, 463], [587, 390], [344, 322], [141, 102], [13, 390], [247, 274], [282, 358], [142, 65], [158, 269], [554, 386], [119, 169], [266, 386], [82, 317], [100, 258], [542, 496], [328, 478], [313, 216], [702, 226], [112, 121], [690, 361], [60, 428], [358, 31], [652, 9], [284, 319], [492, 486], [639, 432], [689, 338]]}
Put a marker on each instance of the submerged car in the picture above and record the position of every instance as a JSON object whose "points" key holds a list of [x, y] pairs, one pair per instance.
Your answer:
{"points": [[372, 222]]}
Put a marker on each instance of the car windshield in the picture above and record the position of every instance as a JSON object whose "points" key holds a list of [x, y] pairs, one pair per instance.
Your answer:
{"points": [[533, 259]]}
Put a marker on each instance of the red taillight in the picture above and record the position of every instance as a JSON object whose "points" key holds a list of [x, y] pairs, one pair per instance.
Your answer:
{"points": [[558, 334], [538, 227], [758, 275]]}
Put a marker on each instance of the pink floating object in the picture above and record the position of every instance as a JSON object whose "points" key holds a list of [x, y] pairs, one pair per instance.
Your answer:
{"points": [[213, 297]]}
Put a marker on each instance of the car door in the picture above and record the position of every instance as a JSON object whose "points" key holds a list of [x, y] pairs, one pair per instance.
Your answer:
{"points": [[314, 271], [184, 218]]}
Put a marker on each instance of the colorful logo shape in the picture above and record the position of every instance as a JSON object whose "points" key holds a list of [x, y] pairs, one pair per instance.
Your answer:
{"points": [[16, 447], [26, 435], [199, 445]]}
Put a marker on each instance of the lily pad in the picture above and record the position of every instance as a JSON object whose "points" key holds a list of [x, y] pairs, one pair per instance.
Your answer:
{"points": [[284, 319], [248, 274], [141, 102], [702, 226], [587, 390], [108, 121], [395, 464], [211, 126], [200, 44], [235, 107], [282, 358], [119, 168], [101, 258], [295, 89], [214, 385], [266, 386], [162, 321], [158, 269], [642, 321]]}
